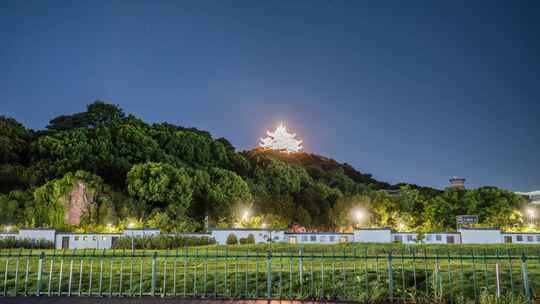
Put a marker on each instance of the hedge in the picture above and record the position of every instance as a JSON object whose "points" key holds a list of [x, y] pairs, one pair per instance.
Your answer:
{"points": [[12, 242], [161, 242]]}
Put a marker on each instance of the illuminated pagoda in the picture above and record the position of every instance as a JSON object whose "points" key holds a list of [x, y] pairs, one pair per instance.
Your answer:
{"points": [[281, 140]]}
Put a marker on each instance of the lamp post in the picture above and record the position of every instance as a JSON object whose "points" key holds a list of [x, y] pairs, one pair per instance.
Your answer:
{"points": [[531, 214], [359, 216], [130, 226]]}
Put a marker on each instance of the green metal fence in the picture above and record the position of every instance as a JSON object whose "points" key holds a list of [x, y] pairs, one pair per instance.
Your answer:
{"points": [[221, 273]]}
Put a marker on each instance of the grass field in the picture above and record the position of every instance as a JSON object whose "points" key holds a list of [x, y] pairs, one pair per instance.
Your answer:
{"points": [[345, 272]]}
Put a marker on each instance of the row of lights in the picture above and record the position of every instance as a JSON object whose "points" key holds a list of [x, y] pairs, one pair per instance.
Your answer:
{"points": [[359, 215]]}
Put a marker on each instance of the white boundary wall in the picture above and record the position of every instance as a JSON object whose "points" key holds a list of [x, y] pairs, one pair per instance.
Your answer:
{"points": [[37, 234], [480, 236], [261, 235], [383, 235], [318, 238], [521, 237]]}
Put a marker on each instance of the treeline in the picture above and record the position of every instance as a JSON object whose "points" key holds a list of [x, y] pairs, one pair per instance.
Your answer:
{"points": [[174, 177]]}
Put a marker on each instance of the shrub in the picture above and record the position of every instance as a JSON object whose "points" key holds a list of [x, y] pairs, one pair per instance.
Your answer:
{"points": [[162, 242], [231, 239], [250, 239], [26, 243]]}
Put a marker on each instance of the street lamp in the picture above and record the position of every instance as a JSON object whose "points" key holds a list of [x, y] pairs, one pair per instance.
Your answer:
{"points": [[358, 216], [130, 226], [245, 215], [532, 215]]}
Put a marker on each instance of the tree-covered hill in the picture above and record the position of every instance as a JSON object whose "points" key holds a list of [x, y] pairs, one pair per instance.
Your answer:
{"points": [[101, 166]]}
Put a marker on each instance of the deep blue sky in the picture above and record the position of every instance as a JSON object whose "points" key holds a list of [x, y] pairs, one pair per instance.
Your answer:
{"points": [[408, 91]]}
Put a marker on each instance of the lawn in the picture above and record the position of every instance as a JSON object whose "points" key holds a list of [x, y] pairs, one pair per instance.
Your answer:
{"points": [[344, 272]]}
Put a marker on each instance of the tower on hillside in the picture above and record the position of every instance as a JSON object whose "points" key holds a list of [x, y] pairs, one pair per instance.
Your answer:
{"points": [[281, 140], [457, 182]]}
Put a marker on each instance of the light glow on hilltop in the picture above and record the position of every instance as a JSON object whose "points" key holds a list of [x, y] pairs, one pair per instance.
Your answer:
{"points": [[281, 140]]}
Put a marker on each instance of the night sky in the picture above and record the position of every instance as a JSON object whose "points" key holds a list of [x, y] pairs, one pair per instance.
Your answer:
{"points": [[407, 91]]}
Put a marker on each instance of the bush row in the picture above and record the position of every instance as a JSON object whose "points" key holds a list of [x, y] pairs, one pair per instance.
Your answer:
{"points": [[233, 240], [25, 243], [161, 242]]}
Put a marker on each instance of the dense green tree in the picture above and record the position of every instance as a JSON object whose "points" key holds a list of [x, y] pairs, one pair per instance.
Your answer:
{"points": [[66, 151], [159, 185], [14, 141], [172, 177], [280, 178], [16, 208], [96, 113]]}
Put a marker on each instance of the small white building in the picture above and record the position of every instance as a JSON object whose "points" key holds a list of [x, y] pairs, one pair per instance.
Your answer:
{"points": [[260, 235], [373, 235], [86, 240], [318, 237], [521, 237], [37, 234], [442, 238], [480, 235], [404, 237], [8, 235]]}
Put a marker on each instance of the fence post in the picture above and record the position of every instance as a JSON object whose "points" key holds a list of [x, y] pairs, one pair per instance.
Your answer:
{"points": [[257, 274], [6, 274], [300, 264], [269, 275], [525, 273], [153, 285], [39, 274], [26, 272], [17, 272], [70, 273], [498, 275], [390, 277]]}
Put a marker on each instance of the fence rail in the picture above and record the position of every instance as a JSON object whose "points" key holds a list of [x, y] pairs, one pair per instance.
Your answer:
{"points": [[355, 275]]}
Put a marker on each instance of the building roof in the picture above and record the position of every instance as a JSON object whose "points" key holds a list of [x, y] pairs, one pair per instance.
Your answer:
{"points": [[479, 228], [320, 233], [246, 229], [89, 233]]}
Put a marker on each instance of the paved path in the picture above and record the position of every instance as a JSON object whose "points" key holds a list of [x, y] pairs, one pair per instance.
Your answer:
{"points": [[143, 300]]}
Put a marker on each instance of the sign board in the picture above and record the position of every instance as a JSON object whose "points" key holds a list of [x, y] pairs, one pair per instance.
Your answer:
{"points": [[467, 219]]}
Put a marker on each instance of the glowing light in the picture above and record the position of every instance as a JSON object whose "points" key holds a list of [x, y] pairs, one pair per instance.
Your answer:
{"points": [[401, 226], [531, 213], [245, 215], [359, 215], [131, 225], [281, 140], [263, 225], [8, 228]]}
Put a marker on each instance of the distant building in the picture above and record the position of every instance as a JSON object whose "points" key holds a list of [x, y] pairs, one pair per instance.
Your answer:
{"points": [[457, 182], [533, 196]]}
